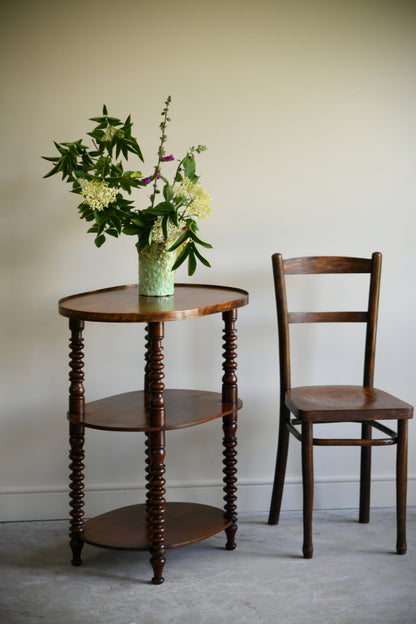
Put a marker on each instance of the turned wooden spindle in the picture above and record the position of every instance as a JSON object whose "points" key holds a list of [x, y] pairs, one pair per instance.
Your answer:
{"points": [[147, 346], [156, 446], [76, 440], [230, 394], [146, 400]]}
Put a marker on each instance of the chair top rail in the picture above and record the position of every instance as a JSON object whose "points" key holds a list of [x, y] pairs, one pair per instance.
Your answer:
{"points": [[326, 264]]}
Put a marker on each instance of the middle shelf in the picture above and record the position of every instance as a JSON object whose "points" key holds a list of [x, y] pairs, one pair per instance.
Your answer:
{"points": [[129, 411]]}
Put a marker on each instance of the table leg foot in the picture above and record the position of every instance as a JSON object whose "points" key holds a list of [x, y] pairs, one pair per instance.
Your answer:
{"points": [[157, 565], [76, 548], [230, 533]]}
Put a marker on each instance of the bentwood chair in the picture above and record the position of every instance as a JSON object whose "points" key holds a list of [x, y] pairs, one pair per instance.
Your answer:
{"points": [[302, 407]]}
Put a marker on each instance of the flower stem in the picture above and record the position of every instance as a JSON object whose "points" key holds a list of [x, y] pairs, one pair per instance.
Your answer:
{"points": [[161, 150]]}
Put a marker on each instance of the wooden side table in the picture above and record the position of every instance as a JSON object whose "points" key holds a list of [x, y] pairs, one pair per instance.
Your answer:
{"points": [[154, 525]]}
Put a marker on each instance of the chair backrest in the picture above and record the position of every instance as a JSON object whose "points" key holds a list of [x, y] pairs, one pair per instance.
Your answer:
{"points": [[326, 264]]}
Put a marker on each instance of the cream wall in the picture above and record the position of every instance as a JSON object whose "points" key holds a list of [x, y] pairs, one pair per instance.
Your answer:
{"points": [[308, 111]]}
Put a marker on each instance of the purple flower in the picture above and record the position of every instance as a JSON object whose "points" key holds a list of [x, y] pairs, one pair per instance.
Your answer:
{"points": [[151, 178], [167, 158]]}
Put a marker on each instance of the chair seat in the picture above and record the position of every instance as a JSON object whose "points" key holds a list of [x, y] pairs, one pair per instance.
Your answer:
{"points": [[344, 403]]}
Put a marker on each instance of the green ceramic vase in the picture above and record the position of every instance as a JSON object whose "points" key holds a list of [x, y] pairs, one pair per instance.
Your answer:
{"points": [[156, 278]]}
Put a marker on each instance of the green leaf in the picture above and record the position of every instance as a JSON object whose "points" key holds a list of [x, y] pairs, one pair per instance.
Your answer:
{"points": [[52, 172], [145, 238], [165, 222], [80, 174], [135, 149], [60, 149], [161, 209], [192, 225], [183, 237], [200, 241], [103, 166], [116, 223], [100, 240], [189, 167], [201, 257], [112, 232], [131, 230], [114, 121], [174, 217], [100, 217], [127, 126], [168, 192], [96, 134], [191, 262], [181, 258], [137, 221]]}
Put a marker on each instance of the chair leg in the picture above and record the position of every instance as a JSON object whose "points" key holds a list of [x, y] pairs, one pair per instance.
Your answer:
{"points": [[365, 476], [401, 486], [280, 471], [308, 483]]}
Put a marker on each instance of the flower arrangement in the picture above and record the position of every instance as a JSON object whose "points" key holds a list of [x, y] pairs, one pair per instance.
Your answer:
{"points": [[98, 174]]}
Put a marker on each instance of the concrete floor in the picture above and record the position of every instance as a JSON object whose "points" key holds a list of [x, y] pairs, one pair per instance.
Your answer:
{"points": [[354, 578]]}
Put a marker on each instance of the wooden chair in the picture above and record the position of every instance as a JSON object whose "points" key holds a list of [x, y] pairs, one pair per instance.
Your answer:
{"points": [[330, 404]]}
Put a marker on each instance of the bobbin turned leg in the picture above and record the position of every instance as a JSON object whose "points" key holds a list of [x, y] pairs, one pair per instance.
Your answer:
{"points": [[147, 399], [230, 395], [76, 439], [156, 503], [76, 533]]}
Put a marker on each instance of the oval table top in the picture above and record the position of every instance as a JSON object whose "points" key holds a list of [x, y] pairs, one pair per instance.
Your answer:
{"points": [[123, 304]]}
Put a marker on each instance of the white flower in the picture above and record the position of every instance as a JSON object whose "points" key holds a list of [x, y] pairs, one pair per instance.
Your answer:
{"points": [[196, 198], [96, 194], [157, 233]]}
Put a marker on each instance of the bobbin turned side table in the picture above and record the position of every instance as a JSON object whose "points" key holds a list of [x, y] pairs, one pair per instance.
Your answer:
{"points": [[154, 525]]}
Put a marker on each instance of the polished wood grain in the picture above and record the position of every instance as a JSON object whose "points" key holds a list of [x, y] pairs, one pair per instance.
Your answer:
{"points": [[311, 405], [127, 528], [309, 265], [345, 403], [327, 317], [156, 525], [123, 304], [130, 412]]}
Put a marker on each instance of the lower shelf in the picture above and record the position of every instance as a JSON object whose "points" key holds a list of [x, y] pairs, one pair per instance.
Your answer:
{"points": [[125, 528]]}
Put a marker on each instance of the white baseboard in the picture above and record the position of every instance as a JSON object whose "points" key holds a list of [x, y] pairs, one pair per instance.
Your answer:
{"points": [[51, 503]]}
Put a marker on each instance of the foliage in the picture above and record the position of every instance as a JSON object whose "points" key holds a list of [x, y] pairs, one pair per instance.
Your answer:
{"points": [[98, 174]]}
